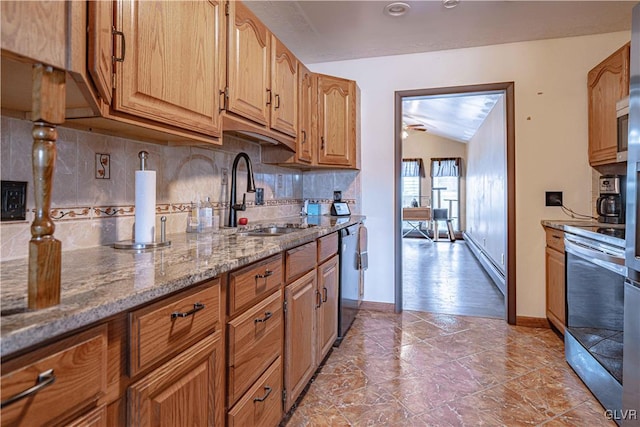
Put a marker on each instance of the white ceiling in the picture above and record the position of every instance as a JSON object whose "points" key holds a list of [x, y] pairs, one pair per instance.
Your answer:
{"points": [[455, 117], [323, 31]]}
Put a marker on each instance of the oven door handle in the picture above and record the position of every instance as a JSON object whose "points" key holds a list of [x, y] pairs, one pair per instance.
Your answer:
{"points": [[606, 260]]}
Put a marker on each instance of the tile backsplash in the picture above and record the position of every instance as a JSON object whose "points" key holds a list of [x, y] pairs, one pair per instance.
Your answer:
{"points": [[89, 211]]}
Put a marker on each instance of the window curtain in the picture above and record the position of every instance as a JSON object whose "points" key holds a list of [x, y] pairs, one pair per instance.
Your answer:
{"points": [[413, 167], [445, 167]]}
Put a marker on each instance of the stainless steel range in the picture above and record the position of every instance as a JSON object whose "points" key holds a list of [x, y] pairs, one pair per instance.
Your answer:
{"points": [[595, 309]]}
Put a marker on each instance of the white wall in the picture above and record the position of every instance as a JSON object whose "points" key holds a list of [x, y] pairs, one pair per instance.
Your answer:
{"points": [[486, 185], [551, 138], [425, 145]]}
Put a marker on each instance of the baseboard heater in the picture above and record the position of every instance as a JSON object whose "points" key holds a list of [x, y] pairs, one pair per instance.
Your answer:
{"points": [[497, 276]]}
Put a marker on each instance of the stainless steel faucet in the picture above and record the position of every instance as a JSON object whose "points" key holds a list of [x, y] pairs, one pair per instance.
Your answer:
{"points": [[251, 188]]}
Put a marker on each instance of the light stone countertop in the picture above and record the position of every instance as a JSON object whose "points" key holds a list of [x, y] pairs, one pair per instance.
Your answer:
{"points": [[100, 282], [588, 229]]}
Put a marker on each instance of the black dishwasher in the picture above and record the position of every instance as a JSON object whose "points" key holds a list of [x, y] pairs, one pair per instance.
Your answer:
{"points": [[349, 285]]}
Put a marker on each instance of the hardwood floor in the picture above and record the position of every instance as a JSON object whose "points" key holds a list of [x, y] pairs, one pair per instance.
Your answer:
{"points": [[425, 369], [445, 277]]}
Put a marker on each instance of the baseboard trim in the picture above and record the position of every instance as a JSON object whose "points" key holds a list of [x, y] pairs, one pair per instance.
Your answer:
{"points": [[533, 322], [487, 264], [377, 306]]}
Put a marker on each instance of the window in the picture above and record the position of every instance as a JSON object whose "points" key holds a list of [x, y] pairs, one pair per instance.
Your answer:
{"points": [[412, 173], [445, 187]]}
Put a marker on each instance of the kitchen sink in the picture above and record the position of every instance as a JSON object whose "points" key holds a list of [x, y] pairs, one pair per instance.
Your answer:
{"points": [[273, 231]]}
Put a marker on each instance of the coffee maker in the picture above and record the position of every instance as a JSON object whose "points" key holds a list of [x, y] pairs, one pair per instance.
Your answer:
{"points": [[610, 204]]}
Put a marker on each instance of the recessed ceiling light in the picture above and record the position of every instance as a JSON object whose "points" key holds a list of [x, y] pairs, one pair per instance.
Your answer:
{"points": [[396, 8], [450, 4]]}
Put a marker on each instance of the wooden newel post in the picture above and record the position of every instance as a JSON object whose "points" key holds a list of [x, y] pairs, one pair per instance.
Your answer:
{"points": [[45, 252]]}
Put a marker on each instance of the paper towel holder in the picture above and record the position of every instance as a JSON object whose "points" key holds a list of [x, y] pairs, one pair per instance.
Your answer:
{"points": [[130, 244]]}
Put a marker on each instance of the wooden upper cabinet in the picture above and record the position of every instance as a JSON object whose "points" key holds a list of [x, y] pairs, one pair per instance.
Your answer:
{"points": [[336, 121], [100, 47], [167, 62], [307, 96], [248, 73], [284, 79], [608, 82], [35, 31]]}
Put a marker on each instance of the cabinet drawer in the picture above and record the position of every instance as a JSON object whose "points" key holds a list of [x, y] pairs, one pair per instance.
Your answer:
{"points": [[168, 326], [255, 340], [327, 246], [249, 284], [300, 260], [78, 366], [555, 239], [261, 405]]}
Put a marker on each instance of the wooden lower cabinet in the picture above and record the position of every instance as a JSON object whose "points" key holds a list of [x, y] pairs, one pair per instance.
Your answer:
{"points": [[71, 374], [555, 278], [95, 418], [188, 390], [262, 404], [328, 277], [301, 300]]}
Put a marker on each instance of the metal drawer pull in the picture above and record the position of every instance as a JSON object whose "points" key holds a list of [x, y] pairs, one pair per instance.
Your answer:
{"points": [[267, 316], [45, 379], [196, 307], [266, 274], [263, 398], [324, 297]]}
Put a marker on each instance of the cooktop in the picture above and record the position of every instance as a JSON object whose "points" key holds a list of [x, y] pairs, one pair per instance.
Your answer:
{"points": [[609, 233]]}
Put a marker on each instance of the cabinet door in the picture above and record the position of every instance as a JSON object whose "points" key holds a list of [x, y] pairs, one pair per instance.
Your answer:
{"points": [[100, 46], [186, 391], [248, 75], [607, 83], [300, 335], [328, 276], [337, 121], [36, 30], [307, 91], [555, 288], [170, 70], [284, 78]]}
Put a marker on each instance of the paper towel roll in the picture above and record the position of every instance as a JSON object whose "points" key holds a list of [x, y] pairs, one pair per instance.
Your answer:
{"points": [[145, 217]]}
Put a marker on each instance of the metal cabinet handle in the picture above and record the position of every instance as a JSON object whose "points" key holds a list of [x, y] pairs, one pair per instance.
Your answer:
{"points": [[263, 398], [123, 44], [44, 379], [322, 142], [267, 316], [304, 136], [266, 274], [269, 100], [556, 237], [196, 307], [318, 299], [324, 297], [277, 102]]}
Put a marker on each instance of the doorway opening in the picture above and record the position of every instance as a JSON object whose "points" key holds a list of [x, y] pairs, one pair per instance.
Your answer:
{"points": [[447, 199]]}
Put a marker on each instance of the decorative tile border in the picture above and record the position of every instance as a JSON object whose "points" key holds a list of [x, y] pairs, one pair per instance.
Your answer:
{"points": [[70, 213], [76, 213], [113, 211]]}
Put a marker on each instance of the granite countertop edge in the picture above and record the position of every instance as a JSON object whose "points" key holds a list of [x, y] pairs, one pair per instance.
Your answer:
{"points": [[104, 292]]}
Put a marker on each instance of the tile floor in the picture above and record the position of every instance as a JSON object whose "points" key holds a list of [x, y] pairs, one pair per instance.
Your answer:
{"points": [[424, 369]]}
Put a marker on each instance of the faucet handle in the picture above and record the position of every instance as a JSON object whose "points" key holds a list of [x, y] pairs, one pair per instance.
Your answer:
{"points": [[243, 206]]}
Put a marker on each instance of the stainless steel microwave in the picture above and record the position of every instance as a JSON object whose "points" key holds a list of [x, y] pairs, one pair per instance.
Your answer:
{"points": [[622, 112]]}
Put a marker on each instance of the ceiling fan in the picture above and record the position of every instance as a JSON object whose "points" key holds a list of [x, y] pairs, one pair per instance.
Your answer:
{"points": [[417, 127]]}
